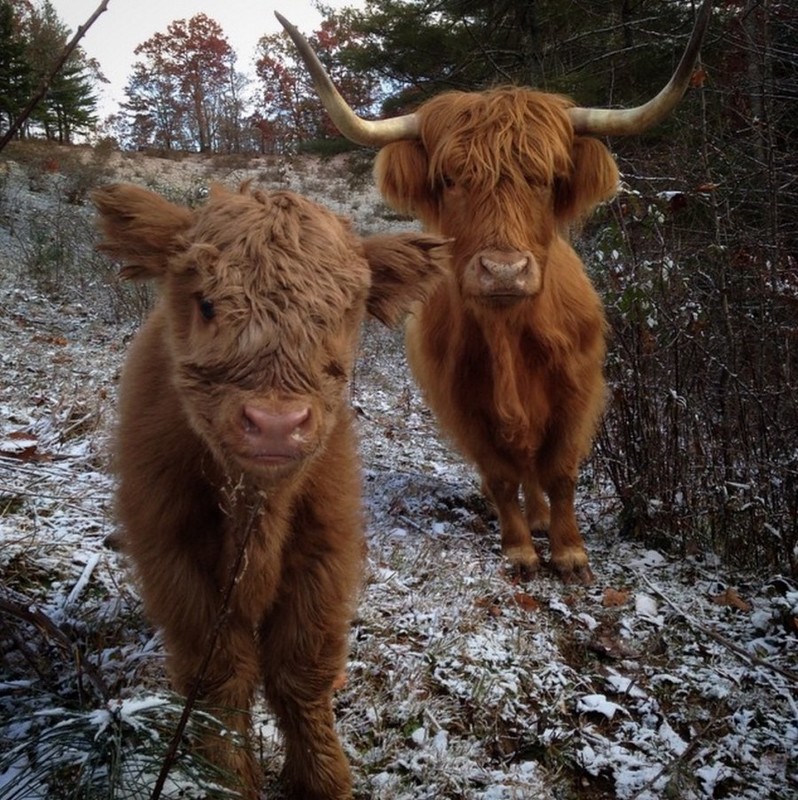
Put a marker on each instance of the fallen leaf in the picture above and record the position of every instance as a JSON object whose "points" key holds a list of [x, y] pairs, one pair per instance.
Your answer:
{"points": [[23, 453], [526, 601], [698, 78], [22, 436], [611, 646], [614, 597], [491, 604], [57, 340], [731, 598]]}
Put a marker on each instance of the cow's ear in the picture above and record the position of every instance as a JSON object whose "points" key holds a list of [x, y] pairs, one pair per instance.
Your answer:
{"points": [[402, 174], [404, 268], [139, 228], [593, 179]]}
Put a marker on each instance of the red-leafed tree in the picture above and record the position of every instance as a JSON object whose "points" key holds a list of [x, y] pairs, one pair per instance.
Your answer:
{"points": [[184, 90], [288, 108]]}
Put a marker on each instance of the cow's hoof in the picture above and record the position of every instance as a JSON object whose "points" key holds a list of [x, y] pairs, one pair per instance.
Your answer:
{"points": [[522, 562], [581, 575], [539, 524]]}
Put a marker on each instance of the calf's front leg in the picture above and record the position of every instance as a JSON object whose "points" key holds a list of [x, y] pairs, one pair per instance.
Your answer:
{"points": [[226, 692], [304, 644]]}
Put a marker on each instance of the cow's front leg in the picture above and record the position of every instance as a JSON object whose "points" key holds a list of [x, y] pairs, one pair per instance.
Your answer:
{"points": [[517, 545], [568, 554], [536, 508]]}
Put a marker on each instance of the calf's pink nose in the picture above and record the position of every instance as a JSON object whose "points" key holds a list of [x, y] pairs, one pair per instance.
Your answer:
{"points": [[258, 423]]}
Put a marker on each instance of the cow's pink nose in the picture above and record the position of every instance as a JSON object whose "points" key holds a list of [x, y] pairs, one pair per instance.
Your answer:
{"points": [[505, 266], [272, 430]]}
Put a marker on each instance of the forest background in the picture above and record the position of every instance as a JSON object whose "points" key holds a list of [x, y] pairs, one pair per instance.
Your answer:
{"points": [[695, 258]]}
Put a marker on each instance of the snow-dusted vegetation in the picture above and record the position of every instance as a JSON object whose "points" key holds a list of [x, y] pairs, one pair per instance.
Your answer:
{"points": [[673, 676]]}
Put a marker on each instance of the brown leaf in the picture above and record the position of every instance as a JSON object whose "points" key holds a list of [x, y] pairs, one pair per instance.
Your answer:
{"points": [[526, 601], [698, 78], [23, 454], [611, 646], [613, 598], [22, 436], [491, 604], [57, 340], [731, 598]]}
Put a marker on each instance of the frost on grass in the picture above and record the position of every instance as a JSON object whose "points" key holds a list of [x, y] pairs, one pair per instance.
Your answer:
{"points": [[670, 677]]}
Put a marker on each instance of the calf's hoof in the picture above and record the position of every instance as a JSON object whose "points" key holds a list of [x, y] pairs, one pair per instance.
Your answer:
{"points": [[339, 789]]}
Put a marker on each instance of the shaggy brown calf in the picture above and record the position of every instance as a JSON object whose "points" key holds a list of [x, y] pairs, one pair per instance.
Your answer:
{"points": [[235, 433], [509, 349]]}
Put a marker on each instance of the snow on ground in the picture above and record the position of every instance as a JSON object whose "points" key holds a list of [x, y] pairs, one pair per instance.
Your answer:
{"points": [[668, 678]]}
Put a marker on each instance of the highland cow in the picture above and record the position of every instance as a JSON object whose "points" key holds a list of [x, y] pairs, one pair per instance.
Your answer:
{"points": [[509, 349], [236, 454]]}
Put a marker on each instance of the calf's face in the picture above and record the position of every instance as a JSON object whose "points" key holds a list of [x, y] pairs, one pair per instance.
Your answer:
{"points": [[263, 295]]}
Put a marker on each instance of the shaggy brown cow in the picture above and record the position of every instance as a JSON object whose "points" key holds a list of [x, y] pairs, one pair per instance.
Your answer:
{"points": [[236, 456], [509, 350]]}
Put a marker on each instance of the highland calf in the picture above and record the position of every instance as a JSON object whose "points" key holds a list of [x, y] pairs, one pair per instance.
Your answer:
{"points": [[236, 454], [509, 349]]}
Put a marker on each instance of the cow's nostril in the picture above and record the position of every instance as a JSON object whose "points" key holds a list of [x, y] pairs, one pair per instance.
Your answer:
{"points": [[504, 268], [257, 421]]}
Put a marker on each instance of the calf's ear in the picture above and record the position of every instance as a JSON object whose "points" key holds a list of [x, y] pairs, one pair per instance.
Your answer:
{"points": [[404, 268], [139, 228]]}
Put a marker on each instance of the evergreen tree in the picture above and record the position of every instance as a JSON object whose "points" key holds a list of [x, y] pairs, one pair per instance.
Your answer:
{"points": [[16, 82], [599, 51], [70, 104]]}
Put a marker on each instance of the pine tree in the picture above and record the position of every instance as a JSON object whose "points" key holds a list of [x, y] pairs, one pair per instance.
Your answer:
{"points": [[16, 83]]}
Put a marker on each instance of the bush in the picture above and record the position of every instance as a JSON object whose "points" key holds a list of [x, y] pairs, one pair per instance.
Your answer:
{"points": [[695, 439]]}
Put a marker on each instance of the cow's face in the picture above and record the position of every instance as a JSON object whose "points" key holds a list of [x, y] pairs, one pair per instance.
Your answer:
{"points": [[264, 295], [502, 174]]}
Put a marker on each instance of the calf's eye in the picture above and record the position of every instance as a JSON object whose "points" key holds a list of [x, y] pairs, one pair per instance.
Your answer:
{"points": [[206, 308]]}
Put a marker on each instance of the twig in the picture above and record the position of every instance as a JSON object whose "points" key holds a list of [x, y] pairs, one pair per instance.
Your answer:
{"points": [[84, 578], [740, 652], [48, 79], [682, 757], [191, 698], [50, 630]]}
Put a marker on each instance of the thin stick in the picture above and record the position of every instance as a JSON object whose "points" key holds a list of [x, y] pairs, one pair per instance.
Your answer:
{"points": [[48, 79], [39, 620], [740, 652]]}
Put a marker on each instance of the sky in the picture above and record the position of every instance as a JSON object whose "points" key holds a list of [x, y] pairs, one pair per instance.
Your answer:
{"points": [[127, 23]]}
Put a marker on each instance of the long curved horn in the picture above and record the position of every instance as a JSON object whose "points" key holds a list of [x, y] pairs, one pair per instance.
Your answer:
{"points": [[626, 121], [372, 133]]}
